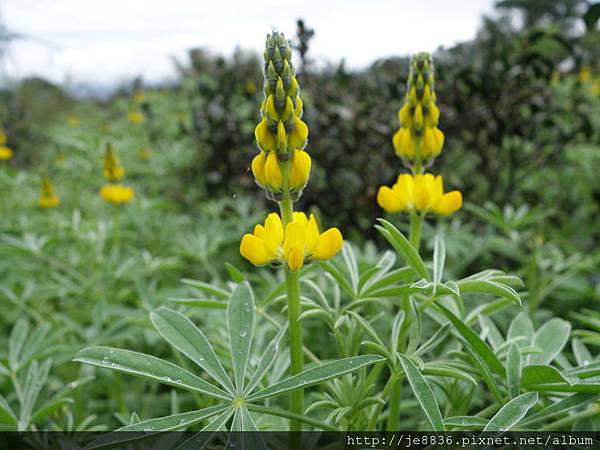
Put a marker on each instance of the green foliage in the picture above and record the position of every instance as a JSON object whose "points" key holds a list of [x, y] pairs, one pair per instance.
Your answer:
{"points": [[492, 324]]}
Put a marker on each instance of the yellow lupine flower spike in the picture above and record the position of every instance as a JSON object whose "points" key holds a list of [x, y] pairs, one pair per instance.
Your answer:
{"points": [[283, 166], [422, 193], [301, 242], [5, 152], [48, 197], [419, 139], [135, 116], [113, 170]]}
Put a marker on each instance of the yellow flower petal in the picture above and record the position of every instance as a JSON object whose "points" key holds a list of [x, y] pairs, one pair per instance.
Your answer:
{"points": [[273, 175], [273, 233], [418, 116], [264, 138], [421, 196], [404, 115], [258, 168], [295, 258], [328, 244], [5, 153], [282, 143], [300, 170], [449, 203], [294, 233], [407, 144], [298, 108], [312, 234], [299, 135], [253, 249], [270, 108], [388, 200], [437, 142]]}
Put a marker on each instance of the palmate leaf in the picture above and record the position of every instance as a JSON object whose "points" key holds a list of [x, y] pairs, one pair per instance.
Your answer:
{"points": [[423, 393], [150, 367], [34, 382], [511, 413], [203, 438], [266, 361], [153, 426], [7, 416], [181, 333], [240, 324], [316, 375], [17, 339]]}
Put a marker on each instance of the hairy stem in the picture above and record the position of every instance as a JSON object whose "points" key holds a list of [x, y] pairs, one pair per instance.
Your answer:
{"points": [[416, 220], [292, 281]]}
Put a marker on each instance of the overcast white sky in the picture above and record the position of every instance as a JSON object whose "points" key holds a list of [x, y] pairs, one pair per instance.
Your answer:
{"points": [[104, 41]]}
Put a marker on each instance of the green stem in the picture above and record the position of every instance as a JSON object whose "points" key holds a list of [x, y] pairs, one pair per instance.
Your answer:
{"points": [[292, 281], [117, 230], [394, 412], [416, 220]]}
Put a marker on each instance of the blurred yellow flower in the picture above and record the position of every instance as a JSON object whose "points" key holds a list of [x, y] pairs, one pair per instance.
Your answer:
{"points": [[5, 153], [113, 170], [301, 242], [73, 121], [139, 96], [116, 194], [135, 117], [250, 87], [585, 74], [48, 197], [144, 154], [422, 192]]}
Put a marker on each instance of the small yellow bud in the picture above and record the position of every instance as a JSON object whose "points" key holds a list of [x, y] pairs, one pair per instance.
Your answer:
{"points": [[282, 144], [269, 107], [405, 116], [300, 170], [299, 107], [258, 168], [264, 137], [273, 176], [433, 115], [404, 143], [418, 117], [299, 135]]}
